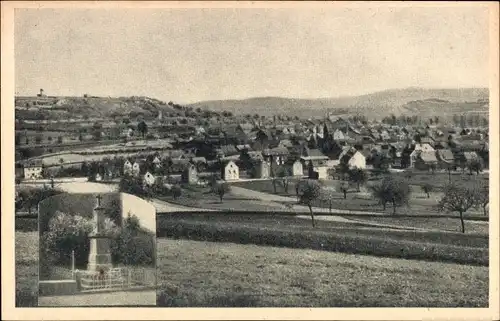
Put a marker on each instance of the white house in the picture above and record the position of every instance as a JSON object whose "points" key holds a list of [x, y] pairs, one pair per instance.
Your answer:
{"points": [[157, 162], [353, 158], [338, 135], [33, 169], [230, 171], [136, 169], [424, 148], [297, 168], [149, 179], [127, 167]]}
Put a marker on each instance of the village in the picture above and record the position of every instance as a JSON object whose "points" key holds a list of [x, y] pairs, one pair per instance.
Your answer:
{"points": [[313, 148]]}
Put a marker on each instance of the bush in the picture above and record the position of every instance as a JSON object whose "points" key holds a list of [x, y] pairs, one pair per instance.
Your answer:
{"points": [[132, 245], [65, 234]]}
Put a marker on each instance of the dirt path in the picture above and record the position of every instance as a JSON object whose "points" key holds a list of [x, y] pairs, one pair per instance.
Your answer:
{"points": [[162, 206]]}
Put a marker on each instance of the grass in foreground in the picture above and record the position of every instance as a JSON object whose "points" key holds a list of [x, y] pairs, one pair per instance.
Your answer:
{"points": [[204, 274], [26, 269]]}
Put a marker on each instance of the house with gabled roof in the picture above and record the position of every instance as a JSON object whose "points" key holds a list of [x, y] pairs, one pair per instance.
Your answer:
{"points": [[425, 160], [279, 155], [353, 158], [33, 169], [230, 171]]}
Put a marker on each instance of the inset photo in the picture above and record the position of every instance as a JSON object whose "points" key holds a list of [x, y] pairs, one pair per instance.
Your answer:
{"points": [[97, 250]]}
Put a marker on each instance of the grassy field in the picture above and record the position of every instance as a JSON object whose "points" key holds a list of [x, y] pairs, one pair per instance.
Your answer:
{"points": [[202, 197], [26, 268], [201, 274], [419, 203], [291, 231], [444, 224]]}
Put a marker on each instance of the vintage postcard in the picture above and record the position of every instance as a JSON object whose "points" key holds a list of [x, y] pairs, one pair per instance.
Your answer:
{"points": [[303, 158]]}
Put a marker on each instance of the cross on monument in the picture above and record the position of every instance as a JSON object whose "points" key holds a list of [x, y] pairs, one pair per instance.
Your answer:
{"points": [[99, 198]]}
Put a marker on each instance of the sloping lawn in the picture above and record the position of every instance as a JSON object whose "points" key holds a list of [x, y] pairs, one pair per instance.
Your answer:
{"points": [[26, 269], [293, 232], [444, 224], [204, 274]]}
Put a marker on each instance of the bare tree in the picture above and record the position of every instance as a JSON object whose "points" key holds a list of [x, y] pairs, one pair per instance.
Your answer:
{"points": [[483, 196], [310, 193], [358, 176], [392, 190], [328, 195], [283, 176], [475, 165], [458, 199], [221, 189], [343, 187]]}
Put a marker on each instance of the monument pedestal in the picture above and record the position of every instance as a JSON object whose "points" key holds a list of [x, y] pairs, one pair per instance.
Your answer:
{"points": [[100, 254], [100, 243]]}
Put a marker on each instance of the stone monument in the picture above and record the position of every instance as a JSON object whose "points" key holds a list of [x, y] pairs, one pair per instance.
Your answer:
{"points": [[100, 251]]}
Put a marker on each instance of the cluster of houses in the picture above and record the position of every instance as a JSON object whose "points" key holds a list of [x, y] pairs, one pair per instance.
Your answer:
{"points": [[302, 149]]}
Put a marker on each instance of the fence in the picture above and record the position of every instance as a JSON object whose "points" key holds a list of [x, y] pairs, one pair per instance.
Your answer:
{"points": [[115, 279]]}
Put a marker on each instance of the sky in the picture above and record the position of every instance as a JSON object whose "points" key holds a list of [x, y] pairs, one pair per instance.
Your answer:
{"points": [[190, 55]]}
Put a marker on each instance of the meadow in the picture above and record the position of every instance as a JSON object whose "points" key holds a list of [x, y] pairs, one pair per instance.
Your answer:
{"points": [[419, 204], [294, 232], [205, 274]]}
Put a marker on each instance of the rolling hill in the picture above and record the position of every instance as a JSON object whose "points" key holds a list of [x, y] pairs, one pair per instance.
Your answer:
{"points": [[409, 101], [418, 101]]}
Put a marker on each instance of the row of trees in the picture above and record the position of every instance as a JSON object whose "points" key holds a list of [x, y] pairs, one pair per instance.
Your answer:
{"points": [[397, 192]]}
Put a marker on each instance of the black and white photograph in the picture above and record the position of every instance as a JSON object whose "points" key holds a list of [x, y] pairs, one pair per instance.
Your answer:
{"points": [[331, 156], [96, 250]]}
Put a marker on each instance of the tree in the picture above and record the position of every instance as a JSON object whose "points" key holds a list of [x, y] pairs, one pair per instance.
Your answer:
{"points": [[311, 192], [29, 198], [49, 138], [283, 175], [221, 189], [391, 190], [97, 131], [342, 169], [38, 139], [176, 191], [59, 139], [358, 176], [475, 165], [142, 127], [427, 189], [483, 196], [134, 186], [328, 195], [343, 187], [65, 233], [459, 199], [299, 188]]}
